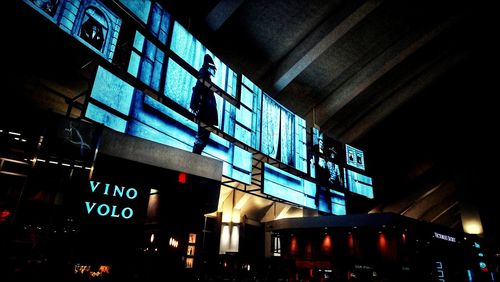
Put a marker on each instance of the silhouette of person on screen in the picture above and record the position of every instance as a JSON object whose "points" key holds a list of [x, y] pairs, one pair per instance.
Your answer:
{"points": [[92, 33], [203, 104]]}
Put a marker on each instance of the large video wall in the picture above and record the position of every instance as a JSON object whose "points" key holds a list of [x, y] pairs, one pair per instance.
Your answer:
{"points": [[165, 56], [88, 21]]}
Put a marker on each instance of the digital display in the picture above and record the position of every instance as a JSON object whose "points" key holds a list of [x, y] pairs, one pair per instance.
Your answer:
{"points": [[324, 161], [355, 157], [283, 134], [146, 61], [140, 8], [90, 22], [286, 186], [129, 110], [359, 184], [338, 203], [283, 185], [248, 117], [192, 51]]}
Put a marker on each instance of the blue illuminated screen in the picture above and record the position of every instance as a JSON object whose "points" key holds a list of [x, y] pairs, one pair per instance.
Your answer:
{"points": [[338, 203], [140, 8], [283, 134], [286, 186], [291, 188], [192, 51], [355, 157], [119, 106], [90, 22], [359, 184]]}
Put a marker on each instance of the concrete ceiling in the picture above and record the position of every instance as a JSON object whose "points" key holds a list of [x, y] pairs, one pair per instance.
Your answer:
{"points": [[403, 80]]}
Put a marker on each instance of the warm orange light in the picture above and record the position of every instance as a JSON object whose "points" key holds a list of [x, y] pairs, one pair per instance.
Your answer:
{"points": [[294, 246], [326, 246]]}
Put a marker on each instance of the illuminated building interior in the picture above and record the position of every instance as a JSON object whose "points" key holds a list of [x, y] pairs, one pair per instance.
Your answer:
{"points": [[326, 154]]}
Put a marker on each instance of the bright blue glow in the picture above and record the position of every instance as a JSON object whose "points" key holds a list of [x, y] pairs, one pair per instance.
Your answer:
{"points": [[106, 83], [248, 117], [192, 51], [355, 157], [284, 132], [482, 264], [287, 127], [178, 87], [476, 245], [108, 119], [140, 8], [469, 274], [270, 127], [492, 276], [300, 144], [286, 186], [179, 84], [152, 120], [310, 188], [146, 61], [159, 23], [338, 203], [73, 15], [480, 254], [283, 185], [360, 184]]}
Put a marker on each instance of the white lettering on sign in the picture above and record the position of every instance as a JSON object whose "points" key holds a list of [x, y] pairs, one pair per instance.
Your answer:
{"points": [[445, 237]]}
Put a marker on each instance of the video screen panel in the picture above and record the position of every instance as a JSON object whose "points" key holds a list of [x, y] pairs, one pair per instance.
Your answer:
{"points": [[325, 160], [140, 8], [151, 14], [286, 186], [355, 157], [338, 203], [90, 22], [248, 117], [128, 110], [283, 134], [192, 51], [146, 61], [359, 184]]}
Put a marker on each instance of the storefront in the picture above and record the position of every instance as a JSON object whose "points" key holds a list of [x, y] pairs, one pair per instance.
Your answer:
{"points": [[88, 203], [370, 247]]}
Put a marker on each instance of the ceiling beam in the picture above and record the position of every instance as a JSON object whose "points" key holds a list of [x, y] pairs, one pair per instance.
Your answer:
{"points": [[221, 13], [454, 204], [296, 62], [399, 97], [372, 72]]}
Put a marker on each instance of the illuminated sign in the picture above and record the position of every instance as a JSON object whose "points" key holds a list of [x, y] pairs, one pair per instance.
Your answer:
{"points": [[445, 237], [440, 271], [110, 210]]}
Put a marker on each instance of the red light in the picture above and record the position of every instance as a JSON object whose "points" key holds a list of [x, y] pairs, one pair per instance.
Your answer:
{"points": [[182, 177], [4, 214], [485, 269]]}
